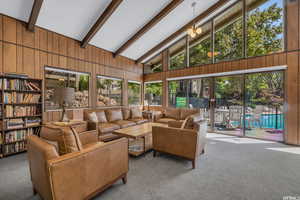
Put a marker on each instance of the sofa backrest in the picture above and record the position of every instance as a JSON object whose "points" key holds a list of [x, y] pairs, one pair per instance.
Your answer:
{"points": [[114, 114], [173, 113], [184, 112]]}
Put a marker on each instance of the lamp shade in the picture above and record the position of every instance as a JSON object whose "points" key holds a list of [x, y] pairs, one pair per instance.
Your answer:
{"points": [[64, 95]]}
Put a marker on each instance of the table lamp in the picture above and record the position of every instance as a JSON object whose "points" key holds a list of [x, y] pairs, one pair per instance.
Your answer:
{"points": [[64, 97]]}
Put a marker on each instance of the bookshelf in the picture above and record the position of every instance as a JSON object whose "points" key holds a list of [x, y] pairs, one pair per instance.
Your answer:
{"points": [[21, 108]]}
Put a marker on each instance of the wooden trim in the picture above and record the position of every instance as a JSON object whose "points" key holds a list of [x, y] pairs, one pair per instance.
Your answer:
{"points": [[155, 20], [34, 14], [210, 10], [101, 21]]}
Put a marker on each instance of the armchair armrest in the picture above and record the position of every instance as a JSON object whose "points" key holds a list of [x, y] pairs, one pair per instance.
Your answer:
{"points": [[88, 137], [82, 173], [92, 125], [181, 142]]}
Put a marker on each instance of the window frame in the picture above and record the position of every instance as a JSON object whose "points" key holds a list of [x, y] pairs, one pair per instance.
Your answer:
{"points": [[161, 97], [140, 95], [151, 58], [111, 78], [57, 69]]}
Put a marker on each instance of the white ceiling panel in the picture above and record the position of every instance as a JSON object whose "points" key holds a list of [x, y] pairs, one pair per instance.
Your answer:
{"points": [[130, 16], [170, 24], [72, 18], [19, 9]]}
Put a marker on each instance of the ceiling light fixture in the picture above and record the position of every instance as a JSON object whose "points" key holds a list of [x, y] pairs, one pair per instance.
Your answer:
{"points": [[194, 31]]}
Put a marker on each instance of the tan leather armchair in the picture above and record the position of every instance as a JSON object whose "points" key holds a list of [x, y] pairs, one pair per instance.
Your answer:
{"points": [[78, 175], [188, 142]]}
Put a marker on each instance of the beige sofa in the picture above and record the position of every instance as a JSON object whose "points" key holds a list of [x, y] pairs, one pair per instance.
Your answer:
{"points": [[174, 114], [108, 120]]}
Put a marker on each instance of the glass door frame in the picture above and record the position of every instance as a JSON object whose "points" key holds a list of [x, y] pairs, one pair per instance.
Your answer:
{"points": [[213, 102]]}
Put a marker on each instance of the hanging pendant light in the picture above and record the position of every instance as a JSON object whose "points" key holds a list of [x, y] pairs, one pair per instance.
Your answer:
{"points": [[194, 31]]}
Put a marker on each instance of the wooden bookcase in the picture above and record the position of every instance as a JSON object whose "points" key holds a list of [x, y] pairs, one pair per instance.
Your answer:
{"points": [[21, 111]]}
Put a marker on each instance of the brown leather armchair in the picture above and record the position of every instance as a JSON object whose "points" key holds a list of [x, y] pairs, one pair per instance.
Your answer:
{"points": [[185, 139], [77, 175]]}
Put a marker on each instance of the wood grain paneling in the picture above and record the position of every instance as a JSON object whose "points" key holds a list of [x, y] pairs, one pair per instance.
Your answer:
{"points": [[292, 27], [28, 53]]}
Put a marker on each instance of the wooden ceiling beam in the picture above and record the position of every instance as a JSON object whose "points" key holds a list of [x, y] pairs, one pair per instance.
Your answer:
{"points": [[101, 21], [155, 20], [169, 39], [37, 4]]}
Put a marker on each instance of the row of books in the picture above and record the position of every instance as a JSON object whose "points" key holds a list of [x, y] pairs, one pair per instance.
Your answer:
{"points": [[20, 123], [18, 135], [15, 97], [20, 111], [14, 148], [19, 84]]}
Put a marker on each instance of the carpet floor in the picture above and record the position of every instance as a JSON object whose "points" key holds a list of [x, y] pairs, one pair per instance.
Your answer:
{"points": [[231, 169]]}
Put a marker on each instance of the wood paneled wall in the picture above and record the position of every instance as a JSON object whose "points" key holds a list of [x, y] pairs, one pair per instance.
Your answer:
{"points": [[26, 52], [291, 58]]}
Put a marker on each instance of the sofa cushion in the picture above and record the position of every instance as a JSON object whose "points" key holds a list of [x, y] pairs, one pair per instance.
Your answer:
{"points": [[67, 139], [165, 120], [139, 120], [101, 116], [125, 123], [126, 113], [136, 113], [184, 113], [93, 117], [108, 137], [114, 115], [172, 113], [107, 127]]}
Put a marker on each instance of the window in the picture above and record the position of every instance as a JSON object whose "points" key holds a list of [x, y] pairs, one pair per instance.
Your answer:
{"points": [[109, 91], [134, 93], [153, 65], [177, 55], [57, 78], [178, 93], [200, 47], [153, 93], [265, 31], [229, 34]]}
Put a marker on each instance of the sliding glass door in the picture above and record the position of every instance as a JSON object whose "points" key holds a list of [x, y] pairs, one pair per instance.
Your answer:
{"points": [[264, 101], [228, 111]]}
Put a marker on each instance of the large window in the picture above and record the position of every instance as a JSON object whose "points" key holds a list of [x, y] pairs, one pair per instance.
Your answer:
{"points": [[200, 47], [178, 93], [265, 31], [153, 65], [109, 91], [134, 93], [229, 34], [57, 78], [153, 93], [177, 55]]}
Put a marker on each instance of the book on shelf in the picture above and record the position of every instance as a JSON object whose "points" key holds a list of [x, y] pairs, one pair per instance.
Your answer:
{"points": [[14, 123], [14, 148], [19, 84], [14, 136], [15, 97], [20, 111], [33, 122]]}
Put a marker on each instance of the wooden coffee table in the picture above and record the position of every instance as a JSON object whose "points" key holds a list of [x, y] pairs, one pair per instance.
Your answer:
{"points": [[139, 136]]}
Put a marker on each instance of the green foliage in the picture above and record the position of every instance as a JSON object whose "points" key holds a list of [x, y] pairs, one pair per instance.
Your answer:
{"points": [[199, 52], [83, 82], [134, 93]]}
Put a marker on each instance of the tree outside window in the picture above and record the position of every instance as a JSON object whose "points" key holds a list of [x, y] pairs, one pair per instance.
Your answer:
{"points": [[134, 93], [109, 91]]}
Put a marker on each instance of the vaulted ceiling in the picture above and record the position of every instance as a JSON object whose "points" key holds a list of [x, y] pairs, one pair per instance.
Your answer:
{"points": [[74, 18]]}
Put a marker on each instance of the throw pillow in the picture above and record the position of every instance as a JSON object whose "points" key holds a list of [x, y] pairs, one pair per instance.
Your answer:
{"points": [[136, 113], [126, 113], [93, 117], [101, 116], [67, 139], [114, 115]]}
